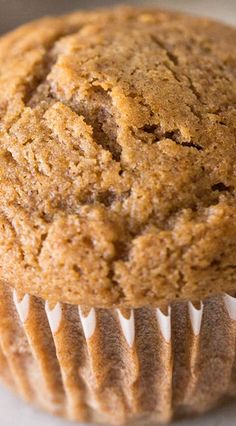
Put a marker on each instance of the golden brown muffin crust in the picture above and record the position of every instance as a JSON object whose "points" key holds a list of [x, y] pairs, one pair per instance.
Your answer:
{"points": [[117, 157]]}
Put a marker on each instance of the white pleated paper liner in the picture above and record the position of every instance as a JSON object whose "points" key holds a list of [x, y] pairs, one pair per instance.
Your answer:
{"points": [[139, 366]]}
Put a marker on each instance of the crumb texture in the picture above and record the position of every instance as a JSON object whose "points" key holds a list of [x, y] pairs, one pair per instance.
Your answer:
{"points": [[117, 158]]}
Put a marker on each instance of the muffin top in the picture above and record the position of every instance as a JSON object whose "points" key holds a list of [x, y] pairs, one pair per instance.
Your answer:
{"points": [[118, 158]]}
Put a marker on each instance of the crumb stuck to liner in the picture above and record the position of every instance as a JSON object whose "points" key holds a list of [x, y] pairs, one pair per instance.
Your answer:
{"points": [[119, 366]]}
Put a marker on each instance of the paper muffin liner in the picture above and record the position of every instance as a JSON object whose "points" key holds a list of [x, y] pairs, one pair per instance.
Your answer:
{"points": [[110, 366]]}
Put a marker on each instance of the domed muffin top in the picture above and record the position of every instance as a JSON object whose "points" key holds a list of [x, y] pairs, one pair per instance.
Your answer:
{"points": [[118, 158]]}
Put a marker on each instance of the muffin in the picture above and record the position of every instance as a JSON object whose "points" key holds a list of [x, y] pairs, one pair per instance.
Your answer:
{"points": [[117, 218]]}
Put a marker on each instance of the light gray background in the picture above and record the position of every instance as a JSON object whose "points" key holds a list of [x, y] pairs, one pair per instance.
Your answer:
{"points": [[13, 12]]}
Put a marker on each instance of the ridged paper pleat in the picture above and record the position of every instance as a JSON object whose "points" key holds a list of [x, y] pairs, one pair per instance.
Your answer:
{"points": [[37, 332], [15, 348], [67, 333], [115, 366]]}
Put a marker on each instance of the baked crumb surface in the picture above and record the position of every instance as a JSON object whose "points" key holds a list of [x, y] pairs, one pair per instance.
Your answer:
{"points": [[117, 158]]}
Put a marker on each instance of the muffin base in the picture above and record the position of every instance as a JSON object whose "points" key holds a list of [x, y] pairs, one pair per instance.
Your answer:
{"points": [[116, 367]]}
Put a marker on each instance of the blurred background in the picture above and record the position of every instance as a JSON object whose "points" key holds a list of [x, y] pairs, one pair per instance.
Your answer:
{"points": [[15, 12]]}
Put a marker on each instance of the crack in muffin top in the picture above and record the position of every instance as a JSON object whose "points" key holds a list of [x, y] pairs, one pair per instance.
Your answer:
{"points": [[118, 158]]}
